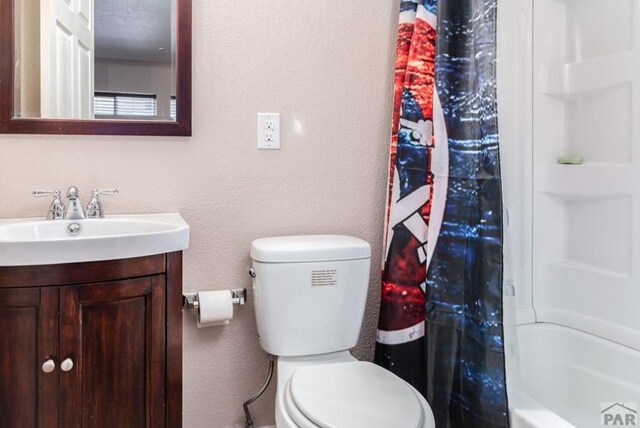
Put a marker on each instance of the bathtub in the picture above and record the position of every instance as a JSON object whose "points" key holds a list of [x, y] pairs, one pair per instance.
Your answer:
{"points": [[565, 377]]}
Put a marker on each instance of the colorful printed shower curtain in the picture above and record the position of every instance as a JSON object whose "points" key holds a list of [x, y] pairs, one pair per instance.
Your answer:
{"points": [[440, 324]]}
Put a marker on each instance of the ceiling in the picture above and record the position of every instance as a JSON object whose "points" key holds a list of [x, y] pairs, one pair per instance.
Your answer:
{"points": [[138, 30]]}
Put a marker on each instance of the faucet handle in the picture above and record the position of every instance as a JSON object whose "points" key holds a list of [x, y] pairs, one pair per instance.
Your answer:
{"points": [[94, 207], [42, 193], [56, 209], [109, 192]]}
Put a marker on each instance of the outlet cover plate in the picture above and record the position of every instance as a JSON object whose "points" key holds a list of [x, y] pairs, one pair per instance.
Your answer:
{"points": [[269, 131]]}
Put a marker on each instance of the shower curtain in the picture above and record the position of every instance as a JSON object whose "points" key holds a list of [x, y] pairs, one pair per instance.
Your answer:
{"points": [[440, 325]]}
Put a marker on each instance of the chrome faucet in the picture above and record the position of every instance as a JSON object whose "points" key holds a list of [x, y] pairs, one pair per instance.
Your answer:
{"points": [[94, 208], [74, 212], [56, 208]]}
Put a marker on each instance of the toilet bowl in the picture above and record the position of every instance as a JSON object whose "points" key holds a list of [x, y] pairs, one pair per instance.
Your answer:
{"points": [[309, 296]]}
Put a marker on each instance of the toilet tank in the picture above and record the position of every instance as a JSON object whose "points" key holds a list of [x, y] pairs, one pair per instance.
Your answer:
{"points": [[309, 292]]}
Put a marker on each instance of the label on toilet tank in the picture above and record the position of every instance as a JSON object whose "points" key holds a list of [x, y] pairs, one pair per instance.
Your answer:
{"points": [[322, 278]]}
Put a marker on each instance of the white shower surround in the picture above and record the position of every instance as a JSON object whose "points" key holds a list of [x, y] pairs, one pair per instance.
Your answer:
{"points": [[569, 84]]}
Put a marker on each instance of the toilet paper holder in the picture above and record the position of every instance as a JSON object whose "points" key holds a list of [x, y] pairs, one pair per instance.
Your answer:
{"points": [[190, 300]]}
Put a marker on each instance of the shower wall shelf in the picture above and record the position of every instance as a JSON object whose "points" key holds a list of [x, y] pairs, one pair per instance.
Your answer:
{"points": [[586, 180], [586, 76]]}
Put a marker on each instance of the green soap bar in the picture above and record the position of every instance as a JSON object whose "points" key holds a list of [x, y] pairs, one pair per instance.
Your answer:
{"points": [[570, 160]]}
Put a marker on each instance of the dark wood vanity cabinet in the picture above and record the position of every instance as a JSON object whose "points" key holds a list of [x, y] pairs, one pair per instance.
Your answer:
{"points": [[94, 344]]}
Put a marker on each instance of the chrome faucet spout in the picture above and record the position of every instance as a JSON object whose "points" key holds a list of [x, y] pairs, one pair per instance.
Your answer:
{"points": [[75, 211]]}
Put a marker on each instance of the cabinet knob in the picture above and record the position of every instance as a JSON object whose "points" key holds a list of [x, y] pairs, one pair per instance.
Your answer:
{"points": [[48, 366], [66, 365]]}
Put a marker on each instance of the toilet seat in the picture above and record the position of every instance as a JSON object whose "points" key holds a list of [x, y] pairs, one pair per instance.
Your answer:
{"points": [[351, 395]]}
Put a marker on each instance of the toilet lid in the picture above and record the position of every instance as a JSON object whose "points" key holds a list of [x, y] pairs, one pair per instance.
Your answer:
{"points": [[353, 395]]}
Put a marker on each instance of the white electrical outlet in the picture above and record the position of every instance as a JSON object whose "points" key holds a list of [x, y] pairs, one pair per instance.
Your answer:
{"points": [[269, 131]]}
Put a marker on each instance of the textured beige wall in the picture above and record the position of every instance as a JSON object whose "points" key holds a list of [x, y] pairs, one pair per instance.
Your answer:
{"points": [[327, 66]]}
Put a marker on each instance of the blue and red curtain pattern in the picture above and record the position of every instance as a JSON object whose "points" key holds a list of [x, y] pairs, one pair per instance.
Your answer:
{"points": [[440, 325]]}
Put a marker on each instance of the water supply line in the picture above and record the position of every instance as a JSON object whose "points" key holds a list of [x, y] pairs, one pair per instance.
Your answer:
{"points": [[245, 405]]}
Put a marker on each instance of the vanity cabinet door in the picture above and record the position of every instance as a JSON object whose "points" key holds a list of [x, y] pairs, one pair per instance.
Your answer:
{"points": [[28, 340], [114, 334]]}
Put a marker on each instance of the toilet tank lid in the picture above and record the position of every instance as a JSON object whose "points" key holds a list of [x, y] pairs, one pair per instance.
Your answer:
{"points": [[309, 248]]}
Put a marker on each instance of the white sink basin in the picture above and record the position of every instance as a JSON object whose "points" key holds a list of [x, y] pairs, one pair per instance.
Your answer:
{"points": [[26, 242]]}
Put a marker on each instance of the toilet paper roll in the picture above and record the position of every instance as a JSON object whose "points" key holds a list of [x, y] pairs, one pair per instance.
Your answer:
{"points": [[216, 308]]}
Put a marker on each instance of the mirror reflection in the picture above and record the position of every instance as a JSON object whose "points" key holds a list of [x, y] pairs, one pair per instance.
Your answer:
{"points": [[95, 59]]}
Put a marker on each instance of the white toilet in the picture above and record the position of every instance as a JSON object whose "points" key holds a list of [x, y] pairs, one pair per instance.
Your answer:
{"points": [[309, 296]]}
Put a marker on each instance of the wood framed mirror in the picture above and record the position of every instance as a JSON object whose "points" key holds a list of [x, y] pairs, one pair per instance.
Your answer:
{"points": [[88, 67]]}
